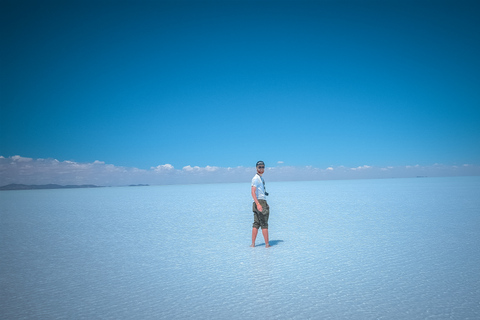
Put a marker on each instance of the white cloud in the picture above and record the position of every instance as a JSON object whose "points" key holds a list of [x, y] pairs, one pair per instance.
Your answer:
{"points": [[43, 171], [362, 167], [21, 159], [163, 168]]}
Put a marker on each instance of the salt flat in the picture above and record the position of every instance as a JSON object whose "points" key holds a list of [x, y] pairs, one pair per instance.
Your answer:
{"points": [[358, 249]]}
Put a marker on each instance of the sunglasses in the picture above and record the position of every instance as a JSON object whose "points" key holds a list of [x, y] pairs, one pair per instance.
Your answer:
{"points": [[261, 167]]}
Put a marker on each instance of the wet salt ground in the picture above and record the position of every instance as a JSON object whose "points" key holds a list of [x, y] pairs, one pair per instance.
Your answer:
{"points": [[364, 249]]}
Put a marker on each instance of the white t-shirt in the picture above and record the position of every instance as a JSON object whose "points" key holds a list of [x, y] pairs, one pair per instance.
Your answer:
{"points": [[258, 183]]}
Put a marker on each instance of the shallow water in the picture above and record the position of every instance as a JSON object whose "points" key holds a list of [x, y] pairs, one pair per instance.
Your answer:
{"points": [[359, 249]]}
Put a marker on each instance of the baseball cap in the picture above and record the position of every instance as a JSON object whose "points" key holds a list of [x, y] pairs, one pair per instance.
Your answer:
{"points": [[259, 163]]}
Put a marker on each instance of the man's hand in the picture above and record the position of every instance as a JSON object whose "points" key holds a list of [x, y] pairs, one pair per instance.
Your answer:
{"points": [[259, 207]]}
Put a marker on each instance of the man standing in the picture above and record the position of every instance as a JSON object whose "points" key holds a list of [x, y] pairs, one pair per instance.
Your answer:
{"points": [[260, 207]]}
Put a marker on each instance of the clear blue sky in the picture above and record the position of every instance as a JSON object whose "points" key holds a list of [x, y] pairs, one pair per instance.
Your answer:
{"points": [[321, 83]]}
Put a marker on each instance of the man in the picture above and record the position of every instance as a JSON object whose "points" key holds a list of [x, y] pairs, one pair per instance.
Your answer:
{"points": [[260, 207]]}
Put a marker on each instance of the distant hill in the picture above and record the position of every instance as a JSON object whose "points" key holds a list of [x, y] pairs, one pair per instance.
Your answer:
{"points": [[14, 186]]}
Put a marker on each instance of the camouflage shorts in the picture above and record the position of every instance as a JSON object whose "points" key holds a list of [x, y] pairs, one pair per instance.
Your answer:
{"points": [[260, 219]]}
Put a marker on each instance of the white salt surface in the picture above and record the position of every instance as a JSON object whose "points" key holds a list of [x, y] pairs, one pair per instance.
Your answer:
{"points": [[364, 249]]}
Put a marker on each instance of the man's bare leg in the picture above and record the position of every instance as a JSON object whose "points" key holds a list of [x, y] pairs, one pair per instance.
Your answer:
{"points": [[254, 236], [265, 236]]}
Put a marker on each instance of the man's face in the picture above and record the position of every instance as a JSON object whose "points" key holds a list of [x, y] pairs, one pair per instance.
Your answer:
{"points": [[261, 168]]}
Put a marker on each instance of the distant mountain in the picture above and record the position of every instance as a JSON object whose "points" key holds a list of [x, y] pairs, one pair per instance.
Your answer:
{"points": [[14, 186]]}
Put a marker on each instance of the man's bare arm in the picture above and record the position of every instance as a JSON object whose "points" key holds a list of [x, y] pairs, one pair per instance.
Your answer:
{"points": [[254, 196]]}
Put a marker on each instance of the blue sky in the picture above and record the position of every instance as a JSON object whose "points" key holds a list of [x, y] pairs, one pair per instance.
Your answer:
{"points": [[222, 84]]}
